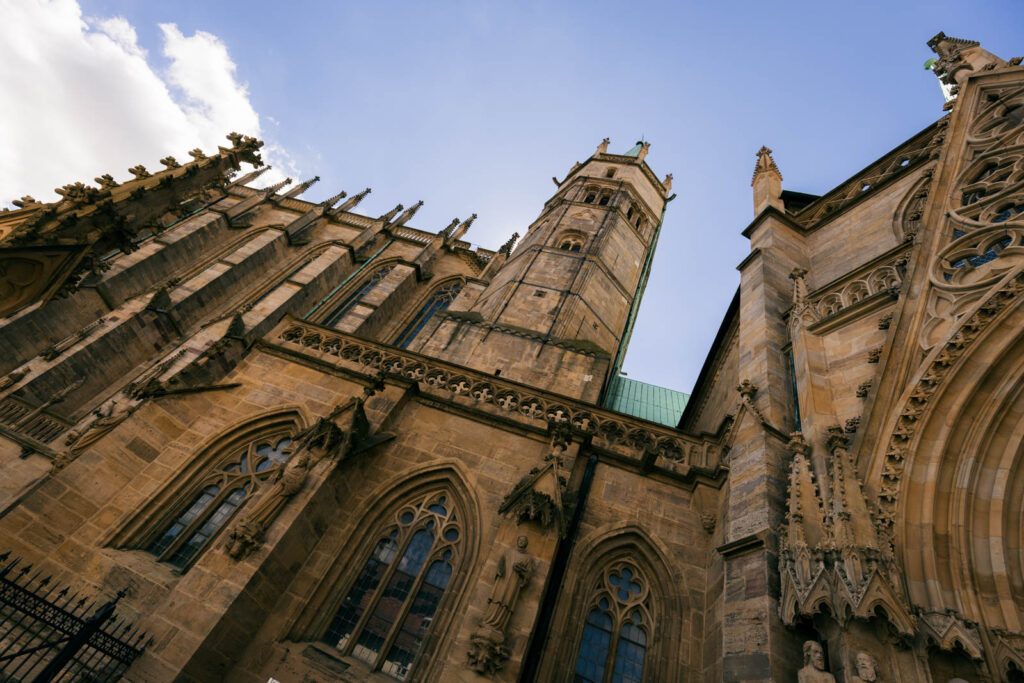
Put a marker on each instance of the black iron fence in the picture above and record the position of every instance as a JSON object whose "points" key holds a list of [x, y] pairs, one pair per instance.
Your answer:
{"points": [[51, 634]]}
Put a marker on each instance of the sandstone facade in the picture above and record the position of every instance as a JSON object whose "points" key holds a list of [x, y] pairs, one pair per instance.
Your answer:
{"points": [[314, 445]]}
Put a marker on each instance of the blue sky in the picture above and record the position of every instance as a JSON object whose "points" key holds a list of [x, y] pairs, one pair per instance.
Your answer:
{"points": [[473, 106]]}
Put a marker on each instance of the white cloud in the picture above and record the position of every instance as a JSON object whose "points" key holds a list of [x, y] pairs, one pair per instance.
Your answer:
{"points": [[81, 99]]}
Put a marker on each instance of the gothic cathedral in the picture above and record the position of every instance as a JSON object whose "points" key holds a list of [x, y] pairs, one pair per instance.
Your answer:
{"points": [[250, 438]]}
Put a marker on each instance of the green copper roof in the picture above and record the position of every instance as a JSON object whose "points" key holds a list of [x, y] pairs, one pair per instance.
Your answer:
{"points": [[646, 401], [635, 152]]}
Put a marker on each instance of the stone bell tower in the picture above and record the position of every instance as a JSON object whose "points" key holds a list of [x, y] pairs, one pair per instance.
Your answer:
{"points": [[557, 312]]}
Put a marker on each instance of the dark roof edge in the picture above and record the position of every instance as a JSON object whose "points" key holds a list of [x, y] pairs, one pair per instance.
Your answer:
{"points": [[709, 361]]}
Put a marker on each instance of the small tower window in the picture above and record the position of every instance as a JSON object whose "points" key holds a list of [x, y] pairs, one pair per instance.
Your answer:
{"points": [[571, 242], [610, 173], [605, 198], [590, 196], [638, 222]]}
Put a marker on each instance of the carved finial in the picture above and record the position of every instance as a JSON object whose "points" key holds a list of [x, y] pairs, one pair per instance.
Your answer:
{"points": [[765, 164], [170, 162], [461, 231], [302, 187], [386, 218], [447, 231], [767, 182], [235, 138], [106, 181], [747, 389], [667, 182], [798, 445], [407, 214], [509, 245], [273, 189], [331, 201], [561, 434], [139, 172], [603, 147], [196, 154], [352, 202], [249, 177]]}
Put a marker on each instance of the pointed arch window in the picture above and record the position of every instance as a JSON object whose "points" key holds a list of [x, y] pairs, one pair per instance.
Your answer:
{"points": [[355, 297], [617, 629], [388, 610], [208, 506], [440, 300]]}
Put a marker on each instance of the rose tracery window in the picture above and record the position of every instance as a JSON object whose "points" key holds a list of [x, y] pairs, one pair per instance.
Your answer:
{"points": [[617, 628], [390, 606], [216, 498]]}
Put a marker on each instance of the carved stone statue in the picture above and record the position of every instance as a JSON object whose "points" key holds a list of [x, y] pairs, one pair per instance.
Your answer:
{"points": [[813, 670], [108, 416], [247, 535], [867, 668], [487, 651], [515, 569]]}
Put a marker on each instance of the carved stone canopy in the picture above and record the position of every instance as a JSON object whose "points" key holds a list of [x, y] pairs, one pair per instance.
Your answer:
{"points": [[539, 496]]}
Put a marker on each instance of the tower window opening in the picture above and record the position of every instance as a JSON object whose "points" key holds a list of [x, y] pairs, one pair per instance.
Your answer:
{"points": [[605, 198], [590, 197], [573, 244], [610, 173]]}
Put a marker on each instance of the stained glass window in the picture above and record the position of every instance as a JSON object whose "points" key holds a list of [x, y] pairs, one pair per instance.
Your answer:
{"points": [[355, 297], [439, 301], [388, 610], [613, 646], [217, 497]]}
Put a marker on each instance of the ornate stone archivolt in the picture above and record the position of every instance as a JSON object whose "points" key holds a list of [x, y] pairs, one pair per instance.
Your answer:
{"points": [[663, 447], [830, 552]]}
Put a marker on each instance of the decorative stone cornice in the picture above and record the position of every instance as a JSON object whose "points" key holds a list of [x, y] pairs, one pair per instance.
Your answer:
{"points": [[635, 440]]}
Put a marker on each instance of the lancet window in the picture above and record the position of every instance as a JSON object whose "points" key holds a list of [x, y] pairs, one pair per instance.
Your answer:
{"points": [[618, 627], [387, 612], [207, 507], [438, 301], [342, 309]]}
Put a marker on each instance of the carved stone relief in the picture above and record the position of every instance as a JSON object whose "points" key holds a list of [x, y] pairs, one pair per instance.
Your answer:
{"points": [[488, 652]]}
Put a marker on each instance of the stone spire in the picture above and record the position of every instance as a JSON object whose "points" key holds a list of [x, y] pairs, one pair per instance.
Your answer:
{"points": [[407, 214], [249, 177], [302, 187], [385, 218], [767, 182], [459, 232], [352, 202], [603, 147], [331, 201]]}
